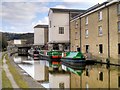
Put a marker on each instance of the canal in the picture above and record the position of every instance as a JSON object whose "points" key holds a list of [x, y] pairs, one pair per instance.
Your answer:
{"points": [[93, 76]]}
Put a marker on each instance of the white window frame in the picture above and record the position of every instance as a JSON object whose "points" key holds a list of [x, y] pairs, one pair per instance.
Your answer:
{"points": [[86, 32], [86, 20], [61, 30], [76, 24], [100, 31], [100, 15]]}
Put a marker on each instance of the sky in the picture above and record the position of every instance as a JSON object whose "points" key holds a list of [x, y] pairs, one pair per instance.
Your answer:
{"points": [[20, 16]]}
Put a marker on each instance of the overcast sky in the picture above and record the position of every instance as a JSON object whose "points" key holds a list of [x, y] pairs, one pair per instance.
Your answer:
{"points": [[20, 16]]}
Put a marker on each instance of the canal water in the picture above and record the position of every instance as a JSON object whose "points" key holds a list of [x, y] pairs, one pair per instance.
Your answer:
{"points": [[93, 76]]}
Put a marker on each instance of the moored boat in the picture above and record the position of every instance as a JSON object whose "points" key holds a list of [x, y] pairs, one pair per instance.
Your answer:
{"points": [[75, 60], [52, 55]]}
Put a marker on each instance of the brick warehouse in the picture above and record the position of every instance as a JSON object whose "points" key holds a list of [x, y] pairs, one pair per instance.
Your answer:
{"points": [[97, 31]]}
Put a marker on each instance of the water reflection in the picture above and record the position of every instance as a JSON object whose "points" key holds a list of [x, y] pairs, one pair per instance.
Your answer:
{"points": [[36, 69], [93, 76], [97, 76]]}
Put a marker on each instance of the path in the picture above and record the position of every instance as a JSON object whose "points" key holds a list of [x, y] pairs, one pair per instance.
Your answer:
{"points": [[9, 75], [0, 72]]}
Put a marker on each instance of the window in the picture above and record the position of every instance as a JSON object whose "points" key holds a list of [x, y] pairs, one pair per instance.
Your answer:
{"points": [[86, 20], [76, 35], [86, 33], [118, 81], [61, 30], [87, 72], [100, 48], [100, 30], [55, 47], [101, 76], [118, 8], [119, 26], [50, 24], [119, 48], [61, 85], [76, 24], [100, 15], [87, 48]]}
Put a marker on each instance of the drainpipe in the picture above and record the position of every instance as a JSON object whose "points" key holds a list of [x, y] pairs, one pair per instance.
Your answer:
{"points": [[69, 32], [108, 47], [80, 36], [108, 33]]}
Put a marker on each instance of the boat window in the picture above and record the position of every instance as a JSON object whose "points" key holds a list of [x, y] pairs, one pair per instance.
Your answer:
{"points": [[61, 85], [55, 47]]}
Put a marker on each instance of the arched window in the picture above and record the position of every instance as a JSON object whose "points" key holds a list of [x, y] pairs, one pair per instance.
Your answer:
{"points": [[101, 76]]}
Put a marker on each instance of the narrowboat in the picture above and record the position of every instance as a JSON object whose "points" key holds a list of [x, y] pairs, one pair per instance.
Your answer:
{"points": [[52, 55], [34, 53], [75, 60]]}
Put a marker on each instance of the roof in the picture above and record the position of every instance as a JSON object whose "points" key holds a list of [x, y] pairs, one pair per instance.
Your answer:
{"points": [[94, 7], [41, 26], [66, 10]]}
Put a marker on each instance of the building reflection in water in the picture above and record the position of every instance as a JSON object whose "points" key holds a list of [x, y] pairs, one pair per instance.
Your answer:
{"points": [[94, 76], [97, 76]]}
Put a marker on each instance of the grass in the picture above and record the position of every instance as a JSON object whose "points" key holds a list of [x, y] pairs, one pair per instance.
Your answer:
{"points": [[5, 81], [17, 77]]}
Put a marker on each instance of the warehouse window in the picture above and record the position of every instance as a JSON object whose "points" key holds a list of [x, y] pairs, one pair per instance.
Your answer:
{"points": [[87, 72], [100, 30], [100, 48], [76, 35], [118, 8], [119, 26], [101, 76], [87, 48], [100, 15], [118, 81], [86, 20], [86, 33], [76, 24], [61, 30], [119, 48]]}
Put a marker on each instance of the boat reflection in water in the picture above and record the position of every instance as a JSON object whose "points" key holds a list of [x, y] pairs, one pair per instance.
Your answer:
{"points": [[87, 76]]}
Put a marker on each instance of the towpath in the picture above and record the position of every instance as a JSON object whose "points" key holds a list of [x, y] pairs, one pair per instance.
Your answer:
{"points": [[9, 75]]}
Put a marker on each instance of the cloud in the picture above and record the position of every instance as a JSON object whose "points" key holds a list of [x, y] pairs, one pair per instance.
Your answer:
{"points": [[21, 12], [60, 6], [87, 1], [17, 16], [43, 21]]}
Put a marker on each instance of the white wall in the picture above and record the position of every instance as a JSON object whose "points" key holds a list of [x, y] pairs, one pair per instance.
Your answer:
{"points": [[17, 42], [39, 72], [59, 20], [55, 79], [39, 36]]}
